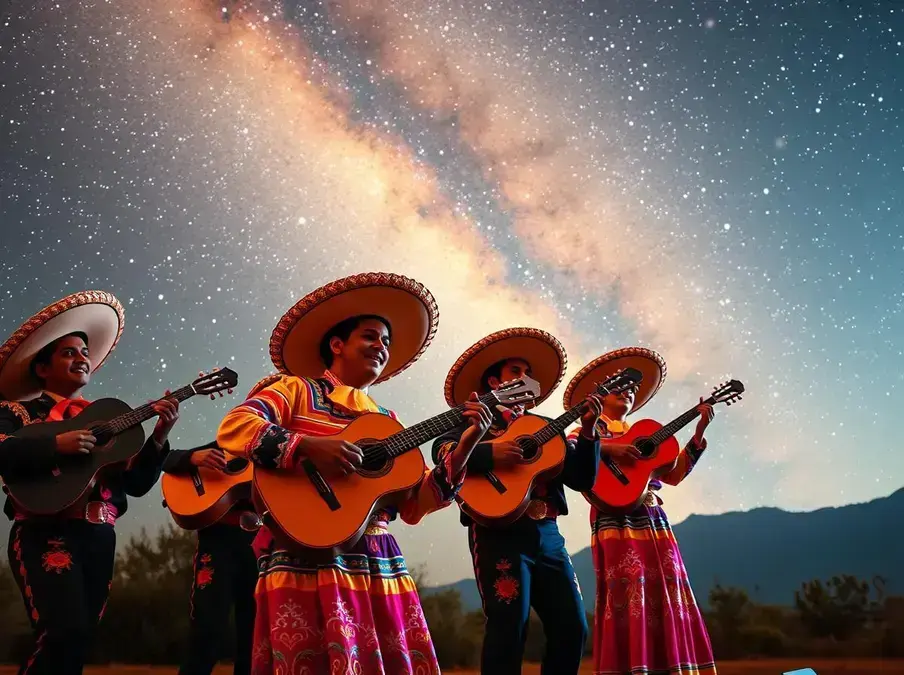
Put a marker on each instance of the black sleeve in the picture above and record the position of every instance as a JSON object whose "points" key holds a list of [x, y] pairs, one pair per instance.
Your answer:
{"points": [[178, 461], [138, 480], [481, 459], [19, 457], [582, 460]]}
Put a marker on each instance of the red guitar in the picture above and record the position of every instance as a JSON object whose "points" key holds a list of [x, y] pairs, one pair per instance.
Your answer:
{"points": [[621, 486]]}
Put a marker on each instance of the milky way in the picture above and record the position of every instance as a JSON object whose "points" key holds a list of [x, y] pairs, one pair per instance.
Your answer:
{"points": [[720, 184]]}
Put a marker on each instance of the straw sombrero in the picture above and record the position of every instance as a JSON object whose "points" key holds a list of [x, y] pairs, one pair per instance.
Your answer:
{"points": [[97, 314], [648, 362], [406, 304], [542, 351]]}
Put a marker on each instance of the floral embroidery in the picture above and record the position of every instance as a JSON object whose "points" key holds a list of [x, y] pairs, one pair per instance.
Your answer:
{"points": [[204, 577], [291, 626], [506, 586], [57, 559]]}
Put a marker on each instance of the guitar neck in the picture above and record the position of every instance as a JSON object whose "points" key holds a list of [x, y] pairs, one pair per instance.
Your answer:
{"points": [[677, 424], [145, 412], [558, 425], [422, 432]]}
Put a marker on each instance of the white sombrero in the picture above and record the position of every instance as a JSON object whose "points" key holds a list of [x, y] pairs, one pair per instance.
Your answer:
{"points": [[648, 362], [97, 314], [406, 304], [542, 351]]}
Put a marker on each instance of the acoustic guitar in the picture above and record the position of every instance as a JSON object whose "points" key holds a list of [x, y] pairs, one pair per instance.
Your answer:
{"points": [[117, 428], [501, 496], [330, 514], [621, 485], [203, 496]]}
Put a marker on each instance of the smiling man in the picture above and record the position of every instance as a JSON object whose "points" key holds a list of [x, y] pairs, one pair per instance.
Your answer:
{"points": [[358, 612], [63, 564]]}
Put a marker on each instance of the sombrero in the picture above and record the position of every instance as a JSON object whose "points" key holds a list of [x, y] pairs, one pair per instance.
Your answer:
{"points": [[96, 313], [406, 304], [648, 362], [542, 351]]}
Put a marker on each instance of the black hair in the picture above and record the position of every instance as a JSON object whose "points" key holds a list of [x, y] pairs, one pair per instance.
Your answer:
{"points": [[493, 371], [45, 354], [343, 331]]}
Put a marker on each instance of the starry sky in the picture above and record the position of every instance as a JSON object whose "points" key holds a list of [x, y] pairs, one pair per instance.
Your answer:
{"points": [[721, 182]]}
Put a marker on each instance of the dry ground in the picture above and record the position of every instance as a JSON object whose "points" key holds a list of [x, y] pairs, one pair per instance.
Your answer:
{"points": [[764, 667]]}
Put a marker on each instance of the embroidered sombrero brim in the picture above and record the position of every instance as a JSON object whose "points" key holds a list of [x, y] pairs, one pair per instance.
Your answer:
{"points": [[407, 305], [648, 362], [543, 352], [97, 314]]}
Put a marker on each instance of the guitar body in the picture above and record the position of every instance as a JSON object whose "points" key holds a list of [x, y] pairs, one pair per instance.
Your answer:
{"points": [[622, 490], [292, 502], [76, 475], [201, 498], [502, 495]]}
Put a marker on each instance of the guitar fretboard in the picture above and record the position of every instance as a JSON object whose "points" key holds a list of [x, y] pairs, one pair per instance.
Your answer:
{"points": [[143, 413], [418, 434], [677, 424]]}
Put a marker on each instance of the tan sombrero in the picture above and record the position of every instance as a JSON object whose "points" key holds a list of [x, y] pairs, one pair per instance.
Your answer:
{"points": [[97, 314], [542, 351], [648, 362], [406, 304]]}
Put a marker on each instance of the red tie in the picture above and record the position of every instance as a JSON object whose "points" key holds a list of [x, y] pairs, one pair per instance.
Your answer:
{"points": [[66, 409]]}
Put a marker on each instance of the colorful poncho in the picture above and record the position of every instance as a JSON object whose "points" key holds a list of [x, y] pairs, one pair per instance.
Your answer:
{"points": [[359, 613]]}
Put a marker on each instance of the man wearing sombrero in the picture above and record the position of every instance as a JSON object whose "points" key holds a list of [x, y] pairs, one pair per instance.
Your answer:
{"points": [[646, 618], [359, 613], [524, 564], [63, 564]]}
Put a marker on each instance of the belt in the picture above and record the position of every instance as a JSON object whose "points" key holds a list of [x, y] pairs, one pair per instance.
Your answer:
{"points": [[98, 513], [376, 527], [652, 499], [538, 509]]}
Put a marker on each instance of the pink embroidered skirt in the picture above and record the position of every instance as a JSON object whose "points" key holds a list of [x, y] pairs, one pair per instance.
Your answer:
{"points": [[357, 615], [646, 618]]}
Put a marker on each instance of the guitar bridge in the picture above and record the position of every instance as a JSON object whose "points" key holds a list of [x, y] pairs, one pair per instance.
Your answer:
{"points": [[616, 471], [323, 488], [496, 483], [197, 482]]}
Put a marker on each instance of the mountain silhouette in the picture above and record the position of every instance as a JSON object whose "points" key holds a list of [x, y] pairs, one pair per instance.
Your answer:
{"points": [[770, 552]]}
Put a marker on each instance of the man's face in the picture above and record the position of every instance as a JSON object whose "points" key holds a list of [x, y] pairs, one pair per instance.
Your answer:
{"points": [[512, 369], [621, 403], [69, 368], [366, 351]]}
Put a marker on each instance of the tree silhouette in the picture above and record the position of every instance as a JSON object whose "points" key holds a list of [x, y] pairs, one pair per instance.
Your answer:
{"points": [[837, 609]]}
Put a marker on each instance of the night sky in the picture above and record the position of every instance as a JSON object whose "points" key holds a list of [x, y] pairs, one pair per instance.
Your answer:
{"points": [[722, 182]]}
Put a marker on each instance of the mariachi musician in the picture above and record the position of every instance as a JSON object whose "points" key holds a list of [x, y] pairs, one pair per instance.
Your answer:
{"points": [[63, 564]]}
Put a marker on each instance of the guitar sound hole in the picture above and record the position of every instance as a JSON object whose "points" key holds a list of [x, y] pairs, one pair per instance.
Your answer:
{"points": [[103, 436], [375, 458], [236, 466], [529, 448], [645, 446]]}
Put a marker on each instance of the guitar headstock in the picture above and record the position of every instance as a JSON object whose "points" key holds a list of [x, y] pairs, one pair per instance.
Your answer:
{"points": [[727, 392], [519, 391], [215, 381], [619, 381]]}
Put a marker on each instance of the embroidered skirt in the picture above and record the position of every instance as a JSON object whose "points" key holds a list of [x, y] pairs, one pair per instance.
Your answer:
{"points": [[357, 615], [646, 618]]}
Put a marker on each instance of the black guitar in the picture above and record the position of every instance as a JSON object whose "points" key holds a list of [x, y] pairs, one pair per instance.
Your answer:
{"points": [[117, 428]]}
